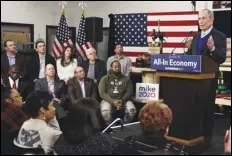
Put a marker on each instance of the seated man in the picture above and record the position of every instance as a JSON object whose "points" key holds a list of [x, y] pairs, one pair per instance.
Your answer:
{"points": [[94, 67], [15, 81], [79, 86], [116, 91], [56, 87]]}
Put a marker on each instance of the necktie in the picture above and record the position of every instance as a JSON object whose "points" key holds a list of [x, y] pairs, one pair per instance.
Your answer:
{"points": [[14, 85]]}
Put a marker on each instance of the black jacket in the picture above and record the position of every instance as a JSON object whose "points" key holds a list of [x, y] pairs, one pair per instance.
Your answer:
{"points": [[33, 66], [219, 54], [99, 68], [97, 144]]}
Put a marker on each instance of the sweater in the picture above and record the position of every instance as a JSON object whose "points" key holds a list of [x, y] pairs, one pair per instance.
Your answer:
{"points": [[113, 87], [201, 43], [66, 72]]}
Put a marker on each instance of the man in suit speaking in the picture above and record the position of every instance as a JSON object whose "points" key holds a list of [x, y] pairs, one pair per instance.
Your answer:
{"points": [[212, 43]]}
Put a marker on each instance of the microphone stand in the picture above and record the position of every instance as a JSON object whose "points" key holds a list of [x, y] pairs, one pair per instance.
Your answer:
{"points": [[182, 42]]}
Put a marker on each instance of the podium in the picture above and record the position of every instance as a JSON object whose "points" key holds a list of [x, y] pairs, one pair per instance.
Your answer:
{"points": [[185, 82]]}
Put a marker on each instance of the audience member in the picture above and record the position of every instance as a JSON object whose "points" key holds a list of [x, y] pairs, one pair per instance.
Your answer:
{"points": [[11, 57], [51, 84], [85, 137], [12, 118], [155, 119], [94, 67], [66, 64], [116, 91], [42, 129], [36, 65], [15, 81], [80, 86], [125, 61]]}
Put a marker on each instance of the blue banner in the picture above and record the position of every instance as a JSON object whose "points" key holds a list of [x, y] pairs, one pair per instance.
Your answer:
{"points": [[177, 63]]}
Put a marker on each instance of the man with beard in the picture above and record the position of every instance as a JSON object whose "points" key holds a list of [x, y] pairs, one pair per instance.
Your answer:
{"points": [[116, 91]]}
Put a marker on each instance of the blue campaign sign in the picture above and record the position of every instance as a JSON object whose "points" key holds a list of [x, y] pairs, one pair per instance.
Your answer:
{"points": [[178, 63]]}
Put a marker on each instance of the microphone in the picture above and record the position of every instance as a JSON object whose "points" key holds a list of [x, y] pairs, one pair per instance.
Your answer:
{"points": [[116, 120], [190, 33]]}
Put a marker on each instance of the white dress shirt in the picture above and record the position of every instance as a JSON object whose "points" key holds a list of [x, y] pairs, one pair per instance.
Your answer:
{"points": [[82, 84], [12, 82], [42, 66], [205, 33]]}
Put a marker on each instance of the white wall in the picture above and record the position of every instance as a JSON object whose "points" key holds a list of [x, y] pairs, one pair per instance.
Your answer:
{"points": [[103, 9], [38, 13], [48, 13]]}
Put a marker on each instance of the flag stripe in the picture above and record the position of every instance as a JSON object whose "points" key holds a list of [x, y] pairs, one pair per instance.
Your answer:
{"points": [[170, 39], [174, 13], [146, 49], [173, 28], [172, 18], [174, 34], [173, 23]]}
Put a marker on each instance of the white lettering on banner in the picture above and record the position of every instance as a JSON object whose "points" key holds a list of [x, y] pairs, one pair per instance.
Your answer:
{"points": [[174, 63], [183, 63], [160, 62]]}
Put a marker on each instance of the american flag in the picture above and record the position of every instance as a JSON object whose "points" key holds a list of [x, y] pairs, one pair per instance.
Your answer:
{"points": [[134, 31], [82, 44], [62, 37]]}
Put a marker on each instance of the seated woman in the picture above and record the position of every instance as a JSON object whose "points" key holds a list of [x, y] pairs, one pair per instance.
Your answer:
{"points": [[66, 64], [82, 135], [12, 118], [42, 130], [155, 119]]}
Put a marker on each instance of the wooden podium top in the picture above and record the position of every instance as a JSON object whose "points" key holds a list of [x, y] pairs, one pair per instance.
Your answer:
{"points": [[198, 76]]}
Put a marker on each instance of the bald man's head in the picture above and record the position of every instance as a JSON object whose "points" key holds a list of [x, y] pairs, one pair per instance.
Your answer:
{"points": [[50, 70], [79, 73]]}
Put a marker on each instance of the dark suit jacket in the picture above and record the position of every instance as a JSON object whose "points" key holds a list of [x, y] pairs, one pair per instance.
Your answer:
{"points": [[33, 66], [23, 87], [99, 68], [219, 54], [19, 61], [75, 92], [59, 89]]}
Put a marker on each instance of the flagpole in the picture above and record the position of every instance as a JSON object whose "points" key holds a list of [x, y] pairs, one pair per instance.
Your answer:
{"points": [[63, 4], [83, 5]]}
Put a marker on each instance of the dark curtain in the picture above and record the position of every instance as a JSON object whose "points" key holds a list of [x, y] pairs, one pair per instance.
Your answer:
{"points": [[222, 22], [111, 36]]}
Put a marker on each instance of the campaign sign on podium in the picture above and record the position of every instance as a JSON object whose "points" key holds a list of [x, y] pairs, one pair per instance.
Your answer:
{"points": [[147, 91], [177, 63]]}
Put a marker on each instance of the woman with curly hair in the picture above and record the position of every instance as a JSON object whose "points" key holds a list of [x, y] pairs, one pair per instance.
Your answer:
{"points": [[155, 119]]}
